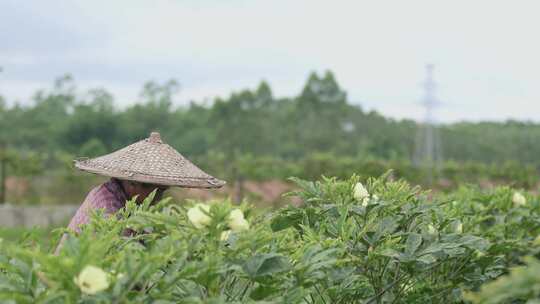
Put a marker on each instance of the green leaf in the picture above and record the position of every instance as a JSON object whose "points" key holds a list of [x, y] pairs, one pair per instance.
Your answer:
{"points": [[474, 242], [452, 252], [413, 242], [265, 264], [433, 248], [262, 292], [391, 253], [287, 218], [386, 226], [427, 259]]}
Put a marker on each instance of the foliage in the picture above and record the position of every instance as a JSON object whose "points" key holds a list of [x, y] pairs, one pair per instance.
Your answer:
{"points": [[388, 243], [450, 176], [249, 122], [399, 247], [27, 236], [251, 134], [522, 284]]}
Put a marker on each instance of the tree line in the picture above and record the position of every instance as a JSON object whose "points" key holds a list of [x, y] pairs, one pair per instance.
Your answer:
{"points": [[320, 119]]}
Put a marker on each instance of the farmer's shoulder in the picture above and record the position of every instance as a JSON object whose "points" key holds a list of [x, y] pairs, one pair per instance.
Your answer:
{"points": [[105, 196]]}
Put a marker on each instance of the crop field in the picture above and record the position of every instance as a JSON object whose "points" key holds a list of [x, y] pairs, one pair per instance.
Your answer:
{"points": [[269, 152], [375, 241]]}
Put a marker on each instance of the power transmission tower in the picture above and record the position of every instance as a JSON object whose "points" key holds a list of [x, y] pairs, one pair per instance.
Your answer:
{"points": [[428, 154], [3, 174], [3, 166]]}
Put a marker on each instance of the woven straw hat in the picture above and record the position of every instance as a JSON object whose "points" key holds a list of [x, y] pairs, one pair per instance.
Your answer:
{"points": [[150, 161]]}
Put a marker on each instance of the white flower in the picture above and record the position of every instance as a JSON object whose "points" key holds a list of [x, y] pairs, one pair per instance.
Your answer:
{"points": [[225, 235], [198, 217], [431, 229], [237, 222], [236, 214], [239, 225], [518, 199], [360, 192], [92, 280]]}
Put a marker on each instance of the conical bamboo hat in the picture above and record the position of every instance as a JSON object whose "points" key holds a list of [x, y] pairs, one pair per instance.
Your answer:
{"points": [[150, 161]]}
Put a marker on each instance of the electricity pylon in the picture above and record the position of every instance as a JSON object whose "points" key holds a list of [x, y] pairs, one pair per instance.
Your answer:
{"points": [[428, 154], [3, 166]]}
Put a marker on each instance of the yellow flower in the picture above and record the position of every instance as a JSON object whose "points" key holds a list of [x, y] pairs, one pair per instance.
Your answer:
{"points": [[237, 222], [225, 235], [360, 193], [198, 217], [92, 280], [518, 199]]}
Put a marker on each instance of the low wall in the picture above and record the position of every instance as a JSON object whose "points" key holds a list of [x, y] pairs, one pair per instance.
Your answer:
{"points": [[29, 216]]}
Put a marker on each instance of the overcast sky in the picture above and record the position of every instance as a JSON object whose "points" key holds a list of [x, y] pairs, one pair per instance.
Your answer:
{"points": [[487, 53]]}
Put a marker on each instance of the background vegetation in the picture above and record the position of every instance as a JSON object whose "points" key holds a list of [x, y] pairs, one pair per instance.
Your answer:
{"points": [[250, 135]]}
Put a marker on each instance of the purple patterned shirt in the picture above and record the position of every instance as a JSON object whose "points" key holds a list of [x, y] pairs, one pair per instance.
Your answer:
{"points": [[108, 196]]}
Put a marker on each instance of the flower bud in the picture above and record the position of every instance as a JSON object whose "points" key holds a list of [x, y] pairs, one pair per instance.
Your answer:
{"points": [[360, 192], [225, 235], [365, 202], [479, 254]]}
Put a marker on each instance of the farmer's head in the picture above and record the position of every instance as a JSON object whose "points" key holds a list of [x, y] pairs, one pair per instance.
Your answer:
{"points": [[142, 190]]}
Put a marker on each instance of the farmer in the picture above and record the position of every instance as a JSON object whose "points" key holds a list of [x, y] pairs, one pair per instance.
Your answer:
{"points": [[136, 171]]}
